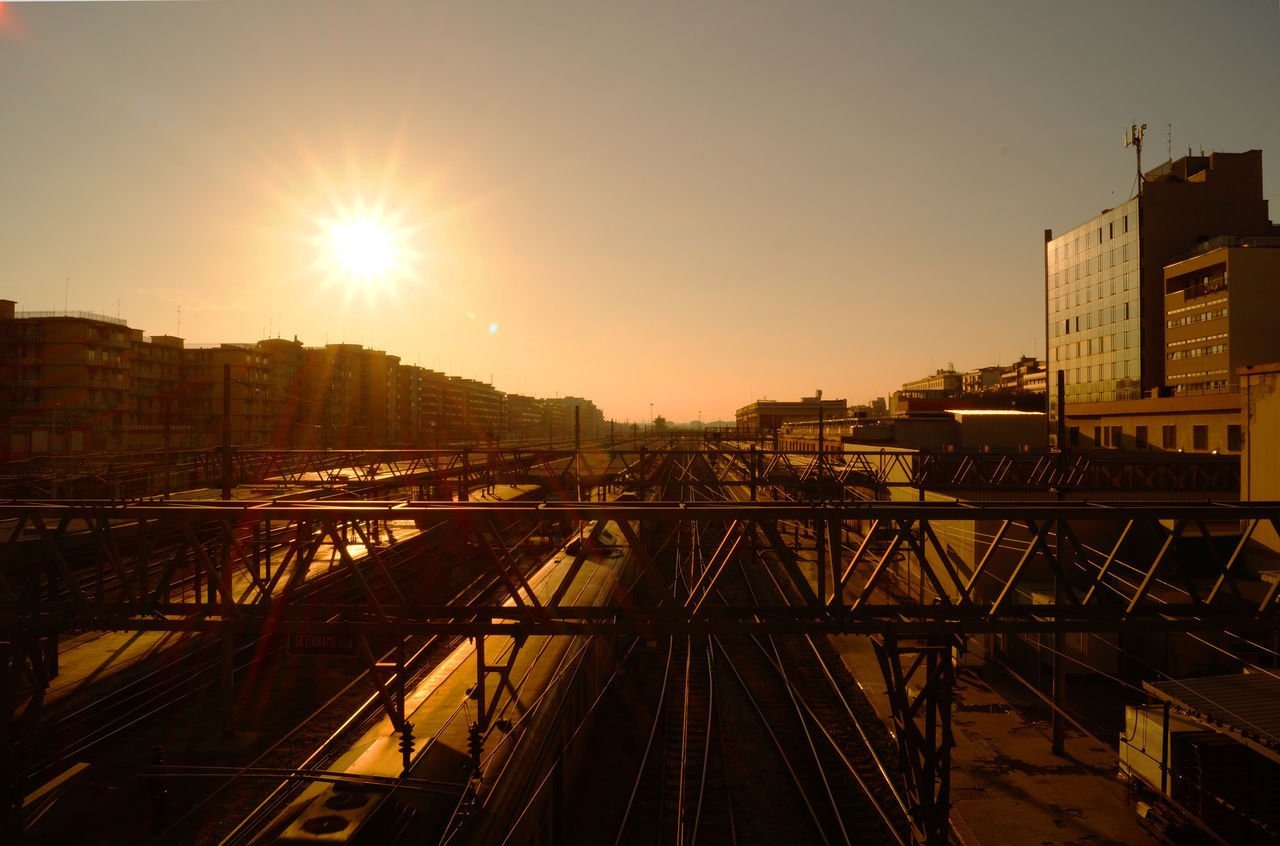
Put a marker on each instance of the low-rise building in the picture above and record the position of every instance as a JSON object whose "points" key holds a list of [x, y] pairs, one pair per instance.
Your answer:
{"points": [[982, 379], [1200, 423], [945, 380], [1026, 375], [768, 415]]}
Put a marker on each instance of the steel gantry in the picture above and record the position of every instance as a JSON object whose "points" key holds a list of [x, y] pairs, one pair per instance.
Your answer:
{"points": [[124, 576], [846, 561], [431, 472]]}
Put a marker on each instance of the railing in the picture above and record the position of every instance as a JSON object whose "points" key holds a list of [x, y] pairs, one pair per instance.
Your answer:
{"points": [[81, 315]]}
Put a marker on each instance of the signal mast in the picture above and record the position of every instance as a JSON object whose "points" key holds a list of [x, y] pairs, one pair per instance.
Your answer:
{"points": [[1133, 138]]}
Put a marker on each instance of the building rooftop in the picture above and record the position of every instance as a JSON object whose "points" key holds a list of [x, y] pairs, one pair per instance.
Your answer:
{"points": [[76, 315], [1225, 241], [1244, 706]]}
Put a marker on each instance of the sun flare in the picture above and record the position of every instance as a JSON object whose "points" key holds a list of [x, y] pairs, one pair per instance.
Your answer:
{"points": [[362, 248]]}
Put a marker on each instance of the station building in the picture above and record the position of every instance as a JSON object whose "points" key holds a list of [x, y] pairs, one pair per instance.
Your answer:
{"points": [[768, 415]]}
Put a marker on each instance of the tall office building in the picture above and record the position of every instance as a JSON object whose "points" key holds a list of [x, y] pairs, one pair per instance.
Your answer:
{"points": [[1104, 279]]}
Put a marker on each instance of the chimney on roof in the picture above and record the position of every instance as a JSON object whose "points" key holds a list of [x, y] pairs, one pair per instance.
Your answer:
{"points": [[6, 309]]}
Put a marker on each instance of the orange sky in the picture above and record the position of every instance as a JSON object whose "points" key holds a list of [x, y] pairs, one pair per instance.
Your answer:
{"points": [[693, 205]]}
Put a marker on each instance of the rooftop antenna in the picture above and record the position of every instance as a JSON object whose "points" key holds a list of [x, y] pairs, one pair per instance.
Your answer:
{"points": [[178, 332], [1133, 138], [1169, 129]]}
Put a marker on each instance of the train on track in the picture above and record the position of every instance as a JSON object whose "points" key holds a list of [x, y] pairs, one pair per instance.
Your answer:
{"points": [[471, 780]]}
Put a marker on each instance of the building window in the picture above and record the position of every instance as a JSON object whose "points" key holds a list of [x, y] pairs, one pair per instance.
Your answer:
{"points": [[1200, 437], [1140, 437], [1097, 435], [1233, 438], [1169, 437], [1116, 436], [1074, 435]]}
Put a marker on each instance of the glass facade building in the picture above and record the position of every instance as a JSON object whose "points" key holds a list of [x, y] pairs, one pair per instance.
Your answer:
{"points": [[1104, 279], [1094, 314]]}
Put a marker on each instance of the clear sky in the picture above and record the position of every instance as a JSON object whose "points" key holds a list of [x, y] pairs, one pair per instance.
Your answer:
{"points": [[694, 204]]}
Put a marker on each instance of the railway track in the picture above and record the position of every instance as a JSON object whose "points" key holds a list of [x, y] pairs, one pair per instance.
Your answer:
{"points": [[143, 695], [145, 702], [761, 740]]}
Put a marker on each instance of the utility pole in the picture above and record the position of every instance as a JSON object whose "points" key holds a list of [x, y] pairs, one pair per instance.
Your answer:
{"points": [[226, 431]]}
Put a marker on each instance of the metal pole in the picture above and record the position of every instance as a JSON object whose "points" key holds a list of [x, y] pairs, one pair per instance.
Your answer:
{"points": [[226, 431], [1164, 754], [10, 778], [820, 436], [1062, 409], [1059, 744], [1048, 236], [821, 550], [464, 480]]}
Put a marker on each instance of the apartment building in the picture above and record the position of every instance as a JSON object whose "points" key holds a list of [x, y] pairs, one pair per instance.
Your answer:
{"points": [[1220, 308]]}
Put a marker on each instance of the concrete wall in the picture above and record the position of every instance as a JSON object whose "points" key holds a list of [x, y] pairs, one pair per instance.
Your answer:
{"points": [[1260, 461], [1013, 429]]}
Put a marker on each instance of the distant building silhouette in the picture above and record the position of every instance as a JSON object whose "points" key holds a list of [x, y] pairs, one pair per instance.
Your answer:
{"points": [[77, 382]]}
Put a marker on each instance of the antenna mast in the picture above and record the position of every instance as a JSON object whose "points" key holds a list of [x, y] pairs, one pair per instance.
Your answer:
{"points": [[1133, 138]]}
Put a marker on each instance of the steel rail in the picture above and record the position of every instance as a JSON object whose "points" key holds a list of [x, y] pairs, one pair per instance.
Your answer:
{"points": [[764, 722], [798, 695]]}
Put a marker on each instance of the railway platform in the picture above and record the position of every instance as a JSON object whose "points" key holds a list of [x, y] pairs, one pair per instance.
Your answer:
{"points": [[1007, 786], [87, 658]]}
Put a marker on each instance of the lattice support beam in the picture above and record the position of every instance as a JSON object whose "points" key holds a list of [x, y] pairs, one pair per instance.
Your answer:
{"points": [[919, 679]]}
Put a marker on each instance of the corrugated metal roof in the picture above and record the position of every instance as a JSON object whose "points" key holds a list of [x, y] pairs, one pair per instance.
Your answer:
{"points": [[1244, 705]]}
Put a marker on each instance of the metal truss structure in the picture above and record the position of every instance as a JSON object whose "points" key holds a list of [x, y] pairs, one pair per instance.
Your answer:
{"points": [[138, 553], [975, 470], [918, 681], [741, 465], [818, 523]]}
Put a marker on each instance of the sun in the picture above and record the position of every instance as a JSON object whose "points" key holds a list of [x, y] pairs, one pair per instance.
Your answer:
{"points": [[363, 248]]}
